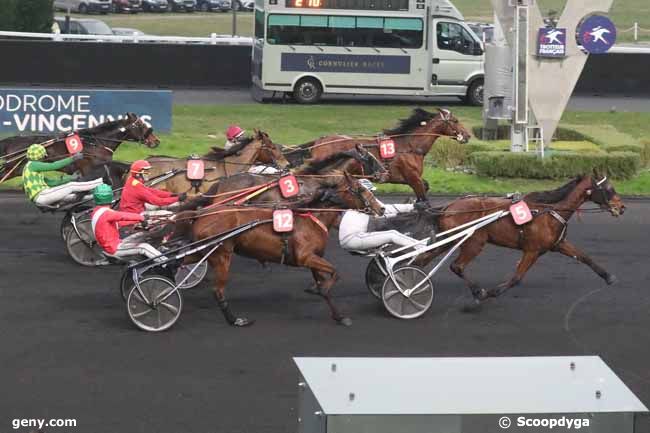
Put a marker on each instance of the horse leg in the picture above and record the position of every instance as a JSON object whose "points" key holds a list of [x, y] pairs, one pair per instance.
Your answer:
{"points": [[412, 174], [220, 262], [570, 250], [527, 260], [321, 268], [468, 252]]}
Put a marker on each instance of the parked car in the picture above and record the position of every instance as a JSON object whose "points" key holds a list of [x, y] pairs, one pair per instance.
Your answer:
{"points": [[126, 31], [128, 6], [246, 5], [84, 26], [155, 5], [213, 5], [83, 6], [182, 5], [484, 31]]}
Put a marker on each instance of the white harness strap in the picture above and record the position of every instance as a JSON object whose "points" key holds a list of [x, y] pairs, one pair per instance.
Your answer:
{"points": [[96, 217]]}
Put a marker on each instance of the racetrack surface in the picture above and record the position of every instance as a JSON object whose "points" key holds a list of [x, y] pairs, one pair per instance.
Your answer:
{"points": [[69, 350]]}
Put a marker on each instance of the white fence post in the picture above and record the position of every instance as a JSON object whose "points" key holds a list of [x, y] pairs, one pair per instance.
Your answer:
{"points": [[636, 32], [213, 36]]}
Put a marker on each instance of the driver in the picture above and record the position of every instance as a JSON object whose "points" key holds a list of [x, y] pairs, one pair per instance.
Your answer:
{"points": [[105, 228], [355, 229], [48, 191], [136, 195], [234, 134]]}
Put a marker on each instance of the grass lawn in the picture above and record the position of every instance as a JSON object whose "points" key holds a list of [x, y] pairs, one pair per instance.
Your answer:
{"points": [[196, 128], [624, 13]]}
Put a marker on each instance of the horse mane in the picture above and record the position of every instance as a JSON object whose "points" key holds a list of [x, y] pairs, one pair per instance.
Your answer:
{"points": [[106, 126], [217, 153], [407, 125], [554, 195], [314, 167]]}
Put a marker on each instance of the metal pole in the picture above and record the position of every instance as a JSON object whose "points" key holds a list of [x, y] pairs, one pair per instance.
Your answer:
{"points": [[67, 22], [235, 6]]}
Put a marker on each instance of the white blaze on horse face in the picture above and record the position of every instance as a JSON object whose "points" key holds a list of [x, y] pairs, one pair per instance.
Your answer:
{"points": [[423, 123]]}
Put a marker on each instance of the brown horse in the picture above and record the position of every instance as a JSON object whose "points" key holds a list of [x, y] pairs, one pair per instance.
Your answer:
{"points": [[259, 149], [100, 142], [413, 139], [303, 247], [552, 211]]}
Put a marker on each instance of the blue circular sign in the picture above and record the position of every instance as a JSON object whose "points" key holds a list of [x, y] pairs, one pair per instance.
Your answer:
{"points": [[597, 34]]}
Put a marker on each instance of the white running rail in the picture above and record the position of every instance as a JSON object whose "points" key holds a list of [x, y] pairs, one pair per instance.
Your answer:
{"points": [[214, 39]]}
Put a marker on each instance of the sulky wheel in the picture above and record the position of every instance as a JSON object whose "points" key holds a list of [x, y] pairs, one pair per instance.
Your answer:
{"points": [[82, 247], [412, 303], [146, 308], [195, 279], [66, 226], [375, 276]]}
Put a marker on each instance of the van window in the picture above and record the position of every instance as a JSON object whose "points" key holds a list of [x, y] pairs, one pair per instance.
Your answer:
{"points": [[345, 31], [453, 37]]}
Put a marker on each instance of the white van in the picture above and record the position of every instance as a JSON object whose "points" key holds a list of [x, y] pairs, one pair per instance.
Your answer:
{"points": [[374, 47]]}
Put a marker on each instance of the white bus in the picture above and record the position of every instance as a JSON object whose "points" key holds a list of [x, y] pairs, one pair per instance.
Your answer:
{"points": [[306, 48]]}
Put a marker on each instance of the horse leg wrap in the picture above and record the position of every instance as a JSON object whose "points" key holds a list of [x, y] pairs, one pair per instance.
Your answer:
{"points": [[225, 309]]}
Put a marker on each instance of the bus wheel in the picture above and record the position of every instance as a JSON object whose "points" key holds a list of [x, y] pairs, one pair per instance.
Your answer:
{"points": [[475, 93], [307, 91]]}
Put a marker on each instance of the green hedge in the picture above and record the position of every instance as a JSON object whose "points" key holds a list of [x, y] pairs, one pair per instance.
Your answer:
{"points": [[26, 15], [619, 165]]}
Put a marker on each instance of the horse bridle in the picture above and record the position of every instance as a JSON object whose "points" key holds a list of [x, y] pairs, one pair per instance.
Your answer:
{"points": [[268, 148], [142, 138], [603, 201]]}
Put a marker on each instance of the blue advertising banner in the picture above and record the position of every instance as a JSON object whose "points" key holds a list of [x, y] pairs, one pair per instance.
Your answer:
{"points": [[367, 64], [597, 34], [47, 111], [551, 42]]}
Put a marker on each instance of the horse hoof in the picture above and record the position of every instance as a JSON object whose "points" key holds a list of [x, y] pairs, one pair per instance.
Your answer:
{"points": [[346, 321], [242, 322], [611, 279], [472, 306]]}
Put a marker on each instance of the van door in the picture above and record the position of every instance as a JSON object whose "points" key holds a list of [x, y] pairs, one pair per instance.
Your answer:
{"points": [[457, 56]]}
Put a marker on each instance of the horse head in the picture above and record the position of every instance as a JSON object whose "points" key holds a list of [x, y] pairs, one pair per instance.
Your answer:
{"points": [[446, 124], [602, 193], [269, 152], [370, 165], [135, 129], [347, 192]]}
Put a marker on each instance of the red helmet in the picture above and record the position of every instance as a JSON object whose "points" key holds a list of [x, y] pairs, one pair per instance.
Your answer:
{"points": [[140, 166], [233, 132]]}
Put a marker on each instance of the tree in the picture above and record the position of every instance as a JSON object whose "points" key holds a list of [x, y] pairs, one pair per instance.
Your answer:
{"points": [[34, 16], [7, 13]]}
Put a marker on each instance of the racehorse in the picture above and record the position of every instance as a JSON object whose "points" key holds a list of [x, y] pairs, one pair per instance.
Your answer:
{"points": [[259, 149], [551, 211], [303, 247], [412, 139], [100, 142]]}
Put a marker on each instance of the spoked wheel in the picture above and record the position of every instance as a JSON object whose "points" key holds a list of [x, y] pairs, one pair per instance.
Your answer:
{"points": [[418, 294], [146, 307], [66, 226], [195, 278], [375, 276], [82, 247]]}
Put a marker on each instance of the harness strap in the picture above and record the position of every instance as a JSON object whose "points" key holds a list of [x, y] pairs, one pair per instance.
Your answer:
{"points": [[318, 222], [562, 221]]}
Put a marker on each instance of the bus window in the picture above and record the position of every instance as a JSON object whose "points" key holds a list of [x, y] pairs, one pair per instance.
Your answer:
{"points": [[259, 24], [345, 31], [453, 37]]}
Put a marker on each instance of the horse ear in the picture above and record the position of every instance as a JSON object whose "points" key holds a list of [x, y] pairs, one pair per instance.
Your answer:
{"points": [[131, 116], [444, 113]]}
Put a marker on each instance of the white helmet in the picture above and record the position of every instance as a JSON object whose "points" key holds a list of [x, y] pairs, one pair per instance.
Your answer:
{"points": [[367, 185]]}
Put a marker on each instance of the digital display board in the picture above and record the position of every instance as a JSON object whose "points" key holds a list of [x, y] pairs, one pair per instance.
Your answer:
{"points": [[376, 5]]}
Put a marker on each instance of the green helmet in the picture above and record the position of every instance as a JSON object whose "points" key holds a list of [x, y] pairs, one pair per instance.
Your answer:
{"points": [[36, 152], [103, 194]]}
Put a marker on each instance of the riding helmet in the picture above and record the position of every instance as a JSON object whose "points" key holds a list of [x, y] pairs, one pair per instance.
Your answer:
{"points": [[140, 166], [36, 152], [234, 132], [103, 194]]}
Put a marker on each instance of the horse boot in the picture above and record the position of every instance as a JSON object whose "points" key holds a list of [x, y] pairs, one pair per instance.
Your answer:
{"points": [[230, 317]]}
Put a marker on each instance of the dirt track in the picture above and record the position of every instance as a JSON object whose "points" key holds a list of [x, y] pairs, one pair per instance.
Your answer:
{"points": [[69, 350]]}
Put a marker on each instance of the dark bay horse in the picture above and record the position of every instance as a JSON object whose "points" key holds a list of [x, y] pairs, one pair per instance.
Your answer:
{"points": [[259, 149], [552, 211], [100, 142], [302, 247], [413, 139]]}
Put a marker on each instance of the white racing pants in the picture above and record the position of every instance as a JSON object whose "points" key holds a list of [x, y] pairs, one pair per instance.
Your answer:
{"points": [[65, 192], [133, 246]]}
